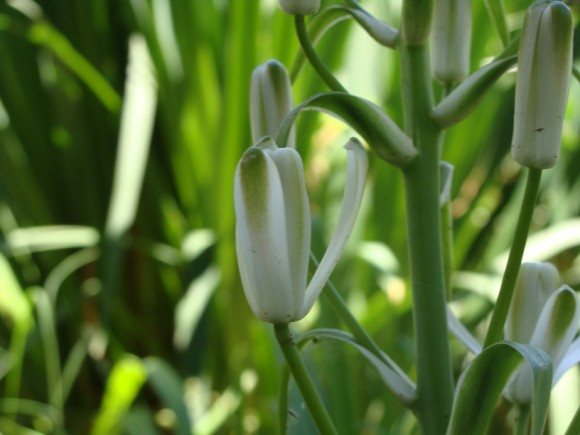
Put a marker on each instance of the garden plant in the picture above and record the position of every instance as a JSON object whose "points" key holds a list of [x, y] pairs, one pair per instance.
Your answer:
{"points": [[293, 216]]}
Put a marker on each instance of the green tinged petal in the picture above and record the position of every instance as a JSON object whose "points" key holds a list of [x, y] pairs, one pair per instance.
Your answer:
{"points": [[554, 332], [270, 198], [451, 45], [356, 172], [270, 100], [536, 283], [543, 81]]}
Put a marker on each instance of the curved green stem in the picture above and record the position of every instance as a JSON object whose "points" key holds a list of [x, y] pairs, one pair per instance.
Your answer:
{"points": [[522, 420], [303, 379], [516, 254], [313, 57]]}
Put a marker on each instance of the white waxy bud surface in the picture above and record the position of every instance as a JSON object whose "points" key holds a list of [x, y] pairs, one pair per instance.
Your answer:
{"points": [[543, 82]]}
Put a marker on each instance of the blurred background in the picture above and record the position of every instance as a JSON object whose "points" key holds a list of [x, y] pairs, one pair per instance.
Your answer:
{"points": [[121, 310]]}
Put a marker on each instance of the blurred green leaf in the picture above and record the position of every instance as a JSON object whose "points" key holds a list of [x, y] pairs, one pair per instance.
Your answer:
{"points": [[123, 385], [169, 388]]}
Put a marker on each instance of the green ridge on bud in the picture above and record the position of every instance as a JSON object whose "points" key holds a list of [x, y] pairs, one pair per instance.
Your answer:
{"points": [[300, 7], [536, 283], [451, 45], [270, 100], [543, 81], [273, 229]]}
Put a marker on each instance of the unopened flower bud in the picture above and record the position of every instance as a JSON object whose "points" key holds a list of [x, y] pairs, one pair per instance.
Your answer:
{"points": [[300, 7], [451, 40], [273, 229], [543, 81], [542, 316], [536, 283], [270, 100]]}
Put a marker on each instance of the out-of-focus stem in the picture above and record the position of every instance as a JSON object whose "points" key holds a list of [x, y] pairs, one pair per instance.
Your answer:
{"points": [[512, 269]]}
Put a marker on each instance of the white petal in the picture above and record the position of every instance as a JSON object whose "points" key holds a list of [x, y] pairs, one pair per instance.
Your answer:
{"points": [[557, 324], [297, 213], [356, 172], [553, 334], [571, 358], [270, 100], [545, 62], [261, 240], [536, 282]]}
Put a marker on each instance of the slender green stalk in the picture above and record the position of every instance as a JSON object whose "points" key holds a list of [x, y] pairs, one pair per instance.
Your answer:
{"points": [[359, 333], [356, 329], [447, 238], [283, 400], [313, 57], [303, 379], [434, 377], [522, 420], [510, 276]]}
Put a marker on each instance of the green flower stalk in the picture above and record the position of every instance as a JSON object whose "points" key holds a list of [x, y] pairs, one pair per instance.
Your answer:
{"points": [[300, 7], [543, 81], [270, 100], [273, 229], [451, 47]]}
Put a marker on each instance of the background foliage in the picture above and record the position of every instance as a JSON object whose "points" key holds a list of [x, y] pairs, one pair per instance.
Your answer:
{"points": [[126, 315]]}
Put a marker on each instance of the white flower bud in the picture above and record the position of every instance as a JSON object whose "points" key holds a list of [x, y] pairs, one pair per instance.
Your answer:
{"points": [[542, 316], [536, 283], [273, 229], [270, 100], [543, 81], [451, 45], [300, 7]]}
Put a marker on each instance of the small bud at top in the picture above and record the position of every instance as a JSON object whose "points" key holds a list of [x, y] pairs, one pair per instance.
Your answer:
{"points": [[270, 100], [451, 40]]}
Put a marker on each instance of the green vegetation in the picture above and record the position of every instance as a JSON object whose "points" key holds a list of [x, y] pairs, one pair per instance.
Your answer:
{"points": [[121, 308]]}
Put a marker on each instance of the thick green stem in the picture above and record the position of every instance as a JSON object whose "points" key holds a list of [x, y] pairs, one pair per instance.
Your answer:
{"points": [[303, 380], [512, 269], [313, 57], [434, 375]]}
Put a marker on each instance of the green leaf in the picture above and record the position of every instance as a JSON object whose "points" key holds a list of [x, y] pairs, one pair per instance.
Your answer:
{"points": [[496, 12], [123, 385], [47, 238], [466, 97], [169, 387], [482, 383], [393, 377], [384, 137]]}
